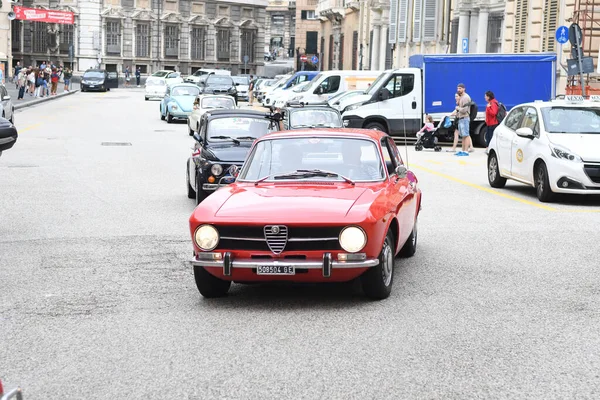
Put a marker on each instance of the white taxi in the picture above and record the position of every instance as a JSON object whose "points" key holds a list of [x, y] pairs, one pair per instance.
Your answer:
{"points": [[553, 146]]}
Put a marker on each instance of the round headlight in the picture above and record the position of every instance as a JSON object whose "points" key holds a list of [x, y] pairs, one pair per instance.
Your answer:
{"points": [[206, 237], [353, 239], [216, 169]]}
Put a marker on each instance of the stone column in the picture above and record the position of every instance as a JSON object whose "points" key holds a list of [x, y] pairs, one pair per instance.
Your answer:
{"points": [[383, 39], [463, 29], [482, 31], [473, 27], [376, 46]]}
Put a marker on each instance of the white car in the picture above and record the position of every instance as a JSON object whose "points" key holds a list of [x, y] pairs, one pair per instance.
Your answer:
{"points": [[171, 77], [553, 146], [283, 96], [155, 88], [206, 102], [7, 108], [242, 84], [270, 89]]}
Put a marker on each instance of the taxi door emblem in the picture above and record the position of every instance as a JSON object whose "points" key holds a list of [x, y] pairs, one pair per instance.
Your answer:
{"points": [[520, 155]]}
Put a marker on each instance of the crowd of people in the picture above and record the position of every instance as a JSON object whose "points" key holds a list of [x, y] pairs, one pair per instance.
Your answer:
{"points": [[42, 80]]}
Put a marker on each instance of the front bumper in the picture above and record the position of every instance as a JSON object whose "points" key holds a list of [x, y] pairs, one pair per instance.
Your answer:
{"points": [[87, 86], [578, 180], [179, 113], [228, 266]]}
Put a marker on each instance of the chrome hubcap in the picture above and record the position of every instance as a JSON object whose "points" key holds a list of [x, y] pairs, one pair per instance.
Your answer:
{"points": [[492, 168], [387, 264]]}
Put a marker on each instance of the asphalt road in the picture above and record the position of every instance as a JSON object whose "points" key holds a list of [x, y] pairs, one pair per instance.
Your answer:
{"points": [[96, 302]]}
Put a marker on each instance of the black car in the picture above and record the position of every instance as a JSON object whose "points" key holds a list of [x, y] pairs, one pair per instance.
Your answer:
{"points": [[218, 84], [8, 135], [223, 140], [299, 116], [94, 79]]}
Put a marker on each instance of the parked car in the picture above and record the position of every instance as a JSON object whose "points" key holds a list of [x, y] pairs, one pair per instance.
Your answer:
{"points": [[218, 84], [178, 101], [327, 205], [206, 102], [261, 87], [94, 79], [298, 116], [337, 100], [8, 135], [197, 76], [155, 88], [242, 84], [223, 140], [7, 108]]}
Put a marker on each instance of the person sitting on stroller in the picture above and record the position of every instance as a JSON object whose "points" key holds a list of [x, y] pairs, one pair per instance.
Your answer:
{"points": [[428, 127]]}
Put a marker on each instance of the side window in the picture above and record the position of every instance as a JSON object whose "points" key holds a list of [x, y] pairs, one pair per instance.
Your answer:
{"points": [[514, 118], [3, 92], [331, 84], [530, 120], [395, 151], [388, 156], [399, 85]]}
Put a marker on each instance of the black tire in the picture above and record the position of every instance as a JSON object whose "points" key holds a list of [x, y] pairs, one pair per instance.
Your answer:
{"points": [[418, 147], [542, 184], [162, 117], [146, 98], [494, 178], [478, 136], [12, 117], [200, 195], [169, 117], [437, 149], [377, 281], [377, 126], [410, 247], [190, 190], [191, 131], [208, 285]]}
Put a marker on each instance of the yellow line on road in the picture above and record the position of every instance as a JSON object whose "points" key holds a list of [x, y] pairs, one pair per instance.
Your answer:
{"points": [[485, 189], [28, 128], [434, 162]]}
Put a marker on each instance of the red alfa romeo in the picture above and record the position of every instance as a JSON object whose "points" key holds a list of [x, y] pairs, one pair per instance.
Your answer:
{"points": [[320, 205]]}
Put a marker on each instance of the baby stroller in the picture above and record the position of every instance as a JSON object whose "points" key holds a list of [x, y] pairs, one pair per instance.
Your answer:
{"points": [[429, 140]]}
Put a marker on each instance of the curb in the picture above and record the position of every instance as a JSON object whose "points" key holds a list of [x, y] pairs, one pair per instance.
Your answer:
{"points": [[43, 100]]}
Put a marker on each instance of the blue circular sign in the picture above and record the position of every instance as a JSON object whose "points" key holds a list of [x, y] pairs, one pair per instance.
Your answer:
{"points": [[314, 59], [562, 34]]}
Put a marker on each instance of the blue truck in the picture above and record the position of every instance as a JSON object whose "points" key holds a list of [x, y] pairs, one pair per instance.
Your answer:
{"points": [[398, 101]]}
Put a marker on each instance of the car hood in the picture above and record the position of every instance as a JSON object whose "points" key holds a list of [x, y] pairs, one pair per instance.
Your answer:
{"points": [[92, 79], [218, 87], [283, 203], [186, 103], [228, 152], [358, 99], [584, 145]]}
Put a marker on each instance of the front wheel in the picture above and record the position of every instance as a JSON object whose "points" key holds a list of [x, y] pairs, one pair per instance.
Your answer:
{"points": [[494, 178], [542, 184], [377, 126], [410, 247], [377, 281], [200, 195], [190, 190], [208, 285], [169, 118]]}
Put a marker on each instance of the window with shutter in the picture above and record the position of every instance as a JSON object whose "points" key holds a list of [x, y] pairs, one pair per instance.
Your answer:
{"points": [[494, 35], [417, 17], [354, 50], [113, 37], [520, 29], [430, 20], [454, 36], [392, 32], [550, 25], [402, 20]]}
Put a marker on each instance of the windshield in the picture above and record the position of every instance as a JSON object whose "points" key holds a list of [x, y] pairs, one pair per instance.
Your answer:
{"points": [[242, 80], [307, 117], [185, 91], [155, 82], [312, 83], [161, 74], [93, 74], [228, 128], [347, 95], [173, 75], [356, 159], [200, 72], [219, 80], [371, 88], [576, 120], [218, 102], [301, 86]]}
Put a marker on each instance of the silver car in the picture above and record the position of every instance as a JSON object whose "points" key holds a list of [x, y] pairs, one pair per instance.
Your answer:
{"points": [[7, 108]]}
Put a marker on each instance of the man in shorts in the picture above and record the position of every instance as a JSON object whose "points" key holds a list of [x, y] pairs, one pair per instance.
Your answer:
{"points": [[463, 109]]}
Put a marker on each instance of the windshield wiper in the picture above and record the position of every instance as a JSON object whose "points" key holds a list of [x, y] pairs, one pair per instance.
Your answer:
{"points": [[226, 137], [309, 173], [246, 138]]}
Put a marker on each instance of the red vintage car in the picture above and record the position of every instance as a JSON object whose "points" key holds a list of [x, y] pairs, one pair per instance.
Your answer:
{"points": [[319, 205]]}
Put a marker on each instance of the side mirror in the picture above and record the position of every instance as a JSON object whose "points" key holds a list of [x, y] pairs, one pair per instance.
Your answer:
{"points": [[401, 171], [7, 97], [237, 84], [319, 90], [525, 132], [198, 138]]}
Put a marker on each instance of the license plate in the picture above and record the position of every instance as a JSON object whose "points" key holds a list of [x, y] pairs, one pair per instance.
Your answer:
{"points": [[275, 270], [92, 85]]}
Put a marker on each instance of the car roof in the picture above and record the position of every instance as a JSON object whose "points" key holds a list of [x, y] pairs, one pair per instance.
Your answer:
{"points": [[204, 96], [237, 112], [560, 103], [172, 85], [338, 132]]}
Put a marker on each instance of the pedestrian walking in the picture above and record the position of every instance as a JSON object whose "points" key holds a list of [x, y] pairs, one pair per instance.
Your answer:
{"points": [[68, 74], [251, 90], [138, 76], [54, 82], [464, 119], [16, 74], [454, 126], [491, 117], [127, 76], [21, 83], [38, 82], [31, 81]]}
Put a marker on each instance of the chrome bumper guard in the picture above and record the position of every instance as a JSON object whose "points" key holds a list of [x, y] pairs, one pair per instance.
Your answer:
{"points": [[228, 263]]}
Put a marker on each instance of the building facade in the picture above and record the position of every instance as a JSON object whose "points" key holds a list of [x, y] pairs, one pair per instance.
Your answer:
{"points": [[151, 34], [479, 26], [281, 27], [308, 28]]}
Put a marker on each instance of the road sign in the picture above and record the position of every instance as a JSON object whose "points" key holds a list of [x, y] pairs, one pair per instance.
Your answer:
{"points": [[562, 34], [303, 58], [465, 45], [575, 35], [587, 66], [314, 59]]}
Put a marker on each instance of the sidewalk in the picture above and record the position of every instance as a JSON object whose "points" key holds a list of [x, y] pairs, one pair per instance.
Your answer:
{"points": [[14, 93]]}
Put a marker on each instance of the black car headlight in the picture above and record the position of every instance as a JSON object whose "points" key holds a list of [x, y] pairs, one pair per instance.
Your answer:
{"points": [[216, 169]]}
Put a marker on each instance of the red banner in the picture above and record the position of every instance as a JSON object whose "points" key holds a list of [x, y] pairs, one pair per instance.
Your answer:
{"points": [[42, 15]]}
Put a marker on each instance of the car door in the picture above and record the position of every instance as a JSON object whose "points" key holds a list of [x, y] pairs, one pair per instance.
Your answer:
{"points": [[195, 159], [164, 101], [399, 101], [523, 150], [328, 87], [505, 135]]}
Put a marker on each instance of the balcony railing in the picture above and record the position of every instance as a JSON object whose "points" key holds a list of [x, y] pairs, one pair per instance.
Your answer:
{"points": [[327, 8]]}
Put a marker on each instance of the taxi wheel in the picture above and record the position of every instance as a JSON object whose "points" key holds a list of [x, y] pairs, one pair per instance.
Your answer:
{"points": [[410, 247], [208, 285], [377, 281], [496, 181], [542, 184]]}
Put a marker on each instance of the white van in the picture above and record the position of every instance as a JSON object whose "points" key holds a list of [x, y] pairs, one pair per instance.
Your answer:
{"points": [[195, 77], [329, 83]]}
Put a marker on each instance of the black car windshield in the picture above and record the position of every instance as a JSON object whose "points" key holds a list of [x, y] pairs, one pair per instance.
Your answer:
{"points": [[242, 80], [577, 120], [311, 117], [93, 74], [219, 80], [291, 158], [185, 91], [245, 128], [218, 102]]}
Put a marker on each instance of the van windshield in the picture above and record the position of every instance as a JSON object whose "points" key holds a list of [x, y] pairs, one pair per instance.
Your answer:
{"points": [[374, 86], [313, 83]]}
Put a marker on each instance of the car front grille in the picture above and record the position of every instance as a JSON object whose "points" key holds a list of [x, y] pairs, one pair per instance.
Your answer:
{"points": [[592, 171], [288, 238]]}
